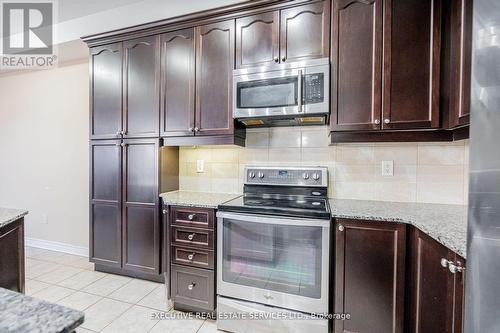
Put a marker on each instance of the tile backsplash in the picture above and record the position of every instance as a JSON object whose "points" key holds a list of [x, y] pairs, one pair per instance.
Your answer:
{"points": [[423, 172]]}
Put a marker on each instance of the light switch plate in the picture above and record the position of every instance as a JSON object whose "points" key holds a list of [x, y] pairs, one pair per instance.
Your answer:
{"points": [[387, 168], [200, 166]]}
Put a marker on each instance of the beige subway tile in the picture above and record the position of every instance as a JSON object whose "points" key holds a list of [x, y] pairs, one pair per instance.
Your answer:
{"points": [[354, 173], [441, 154], [315, 137], [353, 190], [402, 173], [355, 154], [400, 154], [317, 156], [254, 155], [399, 192], [440, 174], [442, 193], [225, 155], [289, 155], [224, 185], [284, 137], [224, 170], [257, 139]]}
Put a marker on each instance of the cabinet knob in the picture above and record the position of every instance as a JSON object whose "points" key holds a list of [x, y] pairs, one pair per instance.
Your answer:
{"points": [[191, 256], [191, 286], [190, 129], [196, 129], [191, 237], [445, 262], [276, 59], [283, 59], [191, 217], [123, 144], [387, 120], [455, 268], [377, 121], [118, 133], [341, 227], [164, 212]]}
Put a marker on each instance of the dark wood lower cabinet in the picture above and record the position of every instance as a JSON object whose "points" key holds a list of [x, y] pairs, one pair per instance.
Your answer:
{"points": [[192, 288], [12, 256], [370, 276], [435, 293]]}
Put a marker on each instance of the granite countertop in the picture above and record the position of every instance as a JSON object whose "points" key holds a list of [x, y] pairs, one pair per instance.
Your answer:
{"points": [[8, 215], [447, 224], [196, 199], [22, 314]]}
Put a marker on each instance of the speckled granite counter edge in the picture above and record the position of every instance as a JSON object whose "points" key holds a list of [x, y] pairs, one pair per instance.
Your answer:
{"points": [[196, 199], [8, 215]]}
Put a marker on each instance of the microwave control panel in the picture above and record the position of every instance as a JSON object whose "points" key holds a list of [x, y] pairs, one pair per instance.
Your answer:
{"points": [[314, 87]]}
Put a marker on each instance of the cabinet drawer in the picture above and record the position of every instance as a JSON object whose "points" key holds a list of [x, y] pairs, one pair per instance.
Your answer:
{"points": [[193, 257], [193, 217], [193, 237], [193, 287]]}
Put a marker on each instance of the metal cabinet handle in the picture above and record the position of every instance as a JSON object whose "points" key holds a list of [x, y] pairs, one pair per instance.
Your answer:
{"points": [[455, 268], [387, 120], [123, 144], [191, 256], [341, 227], [191, 217], [191, 236], [377, 121], [276, 59], [118, 133], [283, 59], [164, 212], [190, 129], [445, 262], [196, 129], [191, 286]]}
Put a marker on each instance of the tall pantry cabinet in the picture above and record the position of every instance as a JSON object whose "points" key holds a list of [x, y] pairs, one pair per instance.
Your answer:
{"points": [[128, 169]]}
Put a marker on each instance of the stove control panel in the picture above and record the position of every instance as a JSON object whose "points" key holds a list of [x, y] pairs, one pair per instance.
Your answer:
{"points": [[283, 176]]}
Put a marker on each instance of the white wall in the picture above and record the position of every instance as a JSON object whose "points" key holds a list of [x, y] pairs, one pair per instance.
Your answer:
{"points": [[44, 151]]}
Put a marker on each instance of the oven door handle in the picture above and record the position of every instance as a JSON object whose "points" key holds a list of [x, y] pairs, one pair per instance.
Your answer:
{"points": [[277, 220], [299, 88]]}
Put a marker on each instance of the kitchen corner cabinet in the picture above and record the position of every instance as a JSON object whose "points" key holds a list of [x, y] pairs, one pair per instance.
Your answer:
{"points": [[291, 34], [12, 268], [370, 276], [124, 207], [436, 287], [124, 89], [385, 65]]}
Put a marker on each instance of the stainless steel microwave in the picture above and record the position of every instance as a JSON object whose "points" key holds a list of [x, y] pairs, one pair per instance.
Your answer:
{"points": [[295, 93]]}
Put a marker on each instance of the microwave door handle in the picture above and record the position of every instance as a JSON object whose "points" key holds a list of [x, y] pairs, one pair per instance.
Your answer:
{"points": [[299, 88]]}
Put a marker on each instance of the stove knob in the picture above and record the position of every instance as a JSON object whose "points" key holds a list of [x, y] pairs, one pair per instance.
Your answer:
{"points": [[315, 176], [251, 174], [305, 175], [260, 175]]}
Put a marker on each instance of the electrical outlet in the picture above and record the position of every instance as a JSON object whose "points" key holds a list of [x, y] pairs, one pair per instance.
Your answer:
{"points": [[45, 219], [387, 168], [200, 166]]}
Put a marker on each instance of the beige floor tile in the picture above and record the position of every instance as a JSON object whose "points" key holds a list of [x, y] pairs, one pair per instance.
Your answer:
{"points": [[157, 299], [83, 330], [34, 252], [137, 319], [83, 263], [59, 274], [180, 325], [209, 326], [106, 285], [81, 279], [133, 291], [53, 293], [103, 313], [37, 270], [79, 300], [34, 286]]}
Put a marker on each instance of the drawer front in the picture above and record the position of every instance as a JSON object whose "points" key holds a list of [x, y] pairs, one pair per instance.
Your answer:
{"points": [[193, 257], [193, 217], [193, 287], [188, 237]]}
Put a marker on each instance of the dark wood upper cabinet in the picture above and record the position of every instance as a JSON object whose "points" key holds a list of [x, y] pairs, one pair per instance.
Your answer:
{"points": [[178, 83], [257, 40], [12, 256], [304, 32], [141, 224], [214, 77], [141, 89], [106, 91], [105, 202], [370, 276], [436, 294], [356, 65], [412, 40]]}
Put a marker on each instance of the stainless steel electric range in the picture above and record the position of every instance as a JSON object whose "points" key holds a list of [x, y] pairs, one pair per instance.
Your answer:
{"points": [[273, 252]]}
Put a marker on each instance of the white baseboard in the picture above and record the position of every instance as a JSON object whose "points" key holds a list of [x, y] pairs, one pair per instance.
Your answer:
{"points": [[57, 246]]}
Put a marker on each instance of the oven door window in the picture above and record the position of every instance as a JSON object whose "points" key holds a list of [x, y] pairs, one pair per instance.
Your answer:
{"points": [[274, 257], [268, 93]]}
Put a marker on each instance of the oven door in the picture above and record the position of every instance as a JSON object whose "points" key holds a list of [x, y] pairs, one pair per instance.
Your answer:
{"points": [[275, 261]]}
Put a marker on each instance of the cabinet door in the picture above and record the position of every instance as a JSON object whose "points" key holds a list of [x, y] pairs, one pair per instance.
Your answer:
{"points": [[106, 91], [141, 225], [370, 276], [356, 65], [431, 286], [12, 256], [412, 32], [141, 87], [105, 202], [214, 79], [178, 83], [459, 297], [257, 40], [304, 32]]}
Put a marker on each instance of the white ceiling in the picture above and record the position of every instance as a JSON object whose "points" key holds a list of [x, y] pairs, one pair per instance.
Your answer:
{"points": [[70, 9]]}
